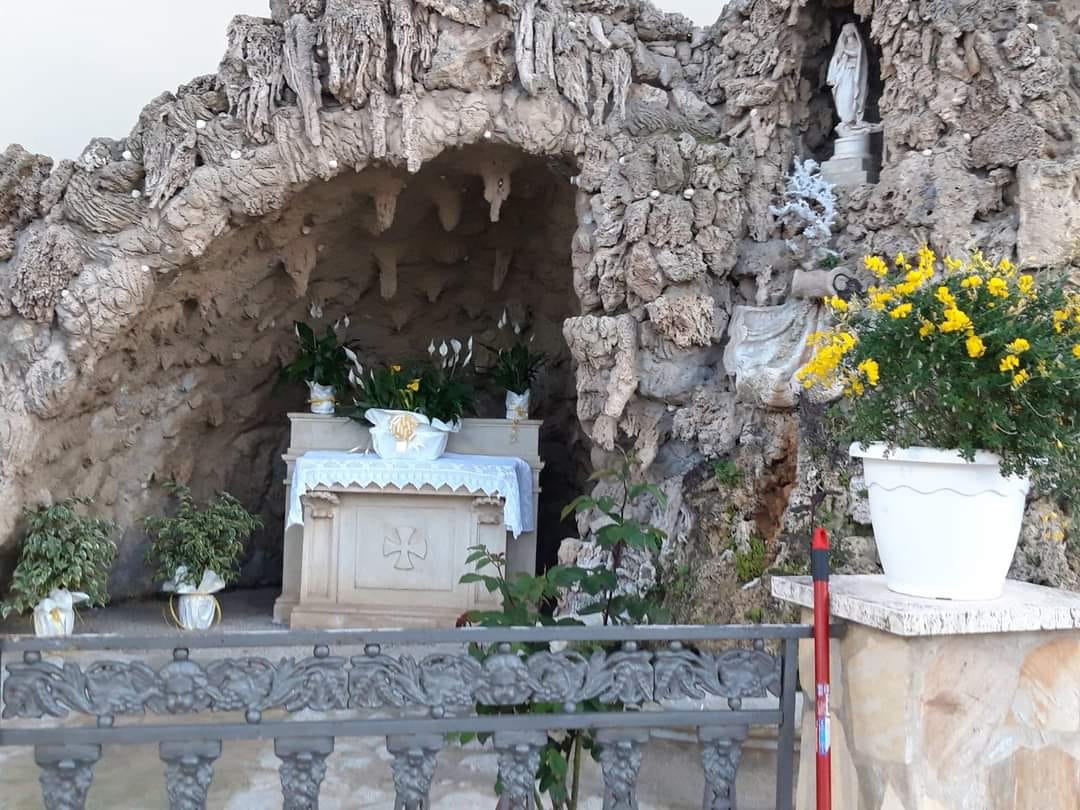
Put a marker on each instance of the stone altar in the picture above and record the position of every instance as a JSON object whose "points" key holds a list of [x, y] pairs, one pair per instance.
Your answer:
{"points": [[325, 583]]}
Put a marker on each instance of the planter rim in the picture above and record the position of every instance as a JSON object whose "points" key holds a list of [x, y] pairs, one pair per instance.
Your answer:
{"points": [[920, 455]]}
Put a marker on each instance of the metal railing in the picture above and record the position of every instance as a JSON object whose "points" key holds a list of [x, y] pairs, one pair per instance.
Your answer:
{"points": [[412, 701]]}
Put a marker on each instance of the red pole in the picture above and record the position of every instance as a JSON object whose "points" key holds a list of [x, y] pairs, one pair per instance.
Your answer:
{"points": [[819, 569]]}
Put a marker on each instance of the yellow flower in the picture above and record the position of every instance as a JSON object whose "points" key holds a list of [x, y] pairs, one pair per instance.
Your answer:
{"points": [[395, 368], [1018, 346], [876, 265], [971, 282], [414, 386], [1026, 284], [1060, 317], [1005, 266], [900, 259], [869, 368], [953, 265], [878, 299], [975, 346], [927, 328], [1009, 362], [998, 287], [836, 303], [1076, 351], [1019, 378], [901, 311], [944, 296], [955, 320]]}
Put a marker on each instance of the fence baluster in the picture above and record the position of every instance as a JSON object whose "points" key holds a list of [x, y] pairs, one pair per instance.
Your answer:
{"points": [[620, 761], [303, 766], [415, 758], [519, 760], [189, 769], [66, 774], [721, 748]]}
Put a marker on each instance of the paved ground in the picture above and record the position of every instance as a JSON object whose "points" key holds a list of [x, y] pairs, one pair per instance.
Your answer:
{"points": [[358, 773]]}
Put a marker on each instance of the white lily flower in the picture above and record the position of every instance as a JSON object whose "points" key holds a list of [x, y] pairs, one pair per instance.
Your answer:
{"points": [[469, 344], [352, 378], [443, 349], [350, 354], [337, 324], [517, 328], [456, 345], [431, 348], [468, 357], [296, 330], [316, 310], [502, 320], [345, 321]]}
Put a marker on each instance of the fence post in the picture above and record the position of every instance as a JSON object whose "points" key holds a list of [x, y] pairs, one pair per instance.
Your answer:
{"points": [[819, 569]]}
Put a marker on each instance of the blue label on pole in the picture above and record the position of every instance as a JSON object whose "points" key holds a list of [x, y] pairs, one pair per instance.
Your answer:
{"points": [[823, 741]]}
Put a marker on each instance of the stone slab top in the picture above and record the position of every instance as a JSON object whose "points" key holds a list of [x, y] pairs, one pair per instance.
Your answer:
{"points": [[864, 599]]}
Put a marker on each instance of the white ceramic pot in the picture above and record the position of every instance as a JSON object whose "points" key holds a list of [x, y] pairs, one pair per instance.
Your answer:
{"points": [[517, 405], [322, 398], [196, 611], [945, 528], [55, 614], [405, 434]]}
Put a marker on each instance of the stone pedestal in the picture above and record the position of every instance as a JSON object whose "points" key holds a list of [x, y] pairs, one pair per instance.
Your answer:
{"points": [[852, 163], [940, 705], [461, 519]]}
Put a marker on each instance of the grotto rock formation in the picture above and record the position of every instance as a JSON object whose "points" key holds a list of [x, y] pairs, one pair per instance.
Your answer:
{"points": [[122, 272]]}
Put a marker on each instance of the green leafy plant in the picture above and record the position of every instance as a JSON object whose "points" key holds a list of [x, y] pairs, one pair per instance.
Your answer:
{"points": [[750, 563], [727, 472], [63, 548], [528, 600], [199, 538], [516, 365], [322, 360], [439, 388], [969, 356]]}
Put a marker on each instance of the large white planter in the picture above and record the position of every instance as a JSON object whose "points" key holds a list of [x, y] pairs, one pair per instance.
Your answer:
{"points": [[322, 398], [196, 611], [517, 406], [55, 614], [404, 434], [945, 528]]}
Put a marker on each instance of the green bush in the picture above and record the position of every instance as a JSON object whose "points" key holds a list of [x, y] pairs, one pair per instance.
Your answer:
{"points": [[197, 538], [63, 548]]}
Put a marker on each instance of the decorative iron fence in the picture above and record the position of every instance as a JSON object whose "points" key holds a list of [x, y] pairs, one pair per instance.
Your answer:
{"points": [[414, 702]]}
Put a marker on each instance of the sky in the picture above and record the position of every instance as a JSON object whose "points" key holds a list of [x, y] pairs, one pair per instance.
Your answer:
{"points": [[76, 69]]}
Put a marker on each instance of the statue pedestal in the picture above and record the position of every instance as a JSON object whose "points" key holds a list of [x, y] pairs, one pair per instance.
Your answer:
{"points": [[851, 163]]}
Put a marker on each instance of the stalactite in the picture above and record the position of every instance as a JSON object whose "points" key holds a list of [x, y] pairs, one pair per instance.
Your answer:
{"points": [[496, 188], [409, 126], [252, 72], [378, 122], [524, 37], [354, 36], [544, 47], [300, 257], [402, 34], [501, 268], [386, 259], [447, 200], [386, 194], [302, 71]]}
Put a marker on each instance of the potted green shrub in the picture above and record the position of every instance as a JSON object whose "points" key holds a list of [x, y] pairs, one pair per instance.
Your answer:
{"points": [[320, 362], [961, 388], [514, 371], [196, 551], [413, 410], [64, 560]]}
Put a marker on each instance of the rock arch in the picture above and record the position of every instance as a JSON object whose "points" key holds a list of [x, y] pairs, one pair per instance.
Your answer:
{"points": [[677, 140]]}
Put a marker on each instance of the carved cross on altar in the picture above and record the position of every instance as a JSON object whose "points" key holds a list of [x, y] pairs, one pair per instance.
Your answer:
{"points": [[406, 543]]}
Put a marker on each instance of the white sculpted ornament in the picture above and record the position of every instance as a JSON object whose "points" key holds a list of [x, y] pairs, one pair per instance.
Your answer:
{"points": [[848, 79]]}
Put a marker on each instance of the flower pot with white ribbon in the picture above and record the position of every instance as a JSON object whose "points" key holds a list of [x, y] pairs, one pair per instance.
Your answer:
{"points": [[517, 405], [322, 398], [406, 434], [196, 605], [944, 527], [55, 614]]}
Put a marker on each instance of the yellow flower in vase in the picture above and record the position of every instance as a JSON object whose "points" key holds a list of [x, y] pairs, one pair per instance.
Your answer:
{"points": [[414, 386]]}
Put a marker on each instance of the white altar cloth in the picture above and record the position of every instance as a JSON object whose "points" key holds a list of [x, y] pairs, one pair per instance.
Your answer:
{"points": [[508, 478]]}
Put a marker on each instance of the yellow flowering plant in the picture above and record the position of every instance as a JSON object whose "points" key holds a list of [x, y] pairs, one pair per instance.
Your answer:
{"points": [[438, 388], [960, 354]]}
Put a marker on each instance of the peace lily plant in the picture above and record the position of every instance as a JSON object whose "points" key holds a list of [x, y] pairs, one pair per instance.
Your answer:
{"points": [[960, 385], [413, 408], [322, 362], [515, 369]]}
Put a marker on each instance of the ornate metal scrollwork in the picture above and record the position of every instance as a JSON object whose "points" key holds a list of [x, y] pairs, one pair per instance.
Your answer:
{"points": [[189, 769], [66, 774], [519, 760], [303, 767], [721, 748], [415, 758], [620, 760]]}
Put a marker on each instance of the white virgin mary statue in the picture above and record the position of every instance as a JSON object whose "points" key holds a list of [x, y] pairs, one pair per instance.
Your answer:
{"points": [[847, 78]]}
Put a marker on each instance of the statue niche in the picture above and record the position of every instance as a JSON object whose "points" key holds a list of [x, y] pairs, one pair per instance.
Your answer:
{"points": [[848, 78]]}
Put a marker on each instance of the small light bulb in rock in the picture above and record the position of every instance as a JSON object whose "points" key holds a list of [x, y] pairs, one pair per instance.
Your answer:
{"points": [[688, 194], [622, 160], [236, 154], [655, 194], [145, 268], [136, 193], [332, 163], [126, 155], [927, 152], [487, 134], [200, 124]]}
